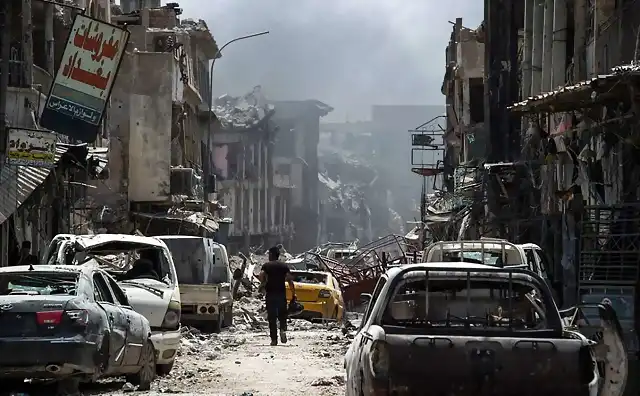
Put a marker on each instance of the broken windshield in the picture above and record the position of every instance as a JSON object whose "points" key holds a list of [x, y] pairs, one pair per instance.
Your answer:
{"points": [[130, 264], [38, 284], [465, 303], [316, 278]]}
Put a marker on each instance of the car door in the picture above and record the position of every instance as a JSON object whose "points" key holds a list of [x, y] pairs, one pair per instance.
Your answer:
{"points": [[134, 339], [337, 294], [353, 356], [115, 316], [599, 323]]}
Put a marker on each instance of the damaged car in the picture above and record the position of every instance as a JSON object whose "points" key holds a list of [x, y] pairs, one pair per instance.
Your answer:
{"points": [[70, 324], [320, 295], [469, 329], [144, 268]]}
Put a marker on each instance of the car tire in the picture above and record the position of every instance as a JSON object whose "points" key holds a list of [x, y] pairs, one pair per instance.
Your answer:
{"points": [[164, 369], [335, 314], [228, 317], [147, 373]]}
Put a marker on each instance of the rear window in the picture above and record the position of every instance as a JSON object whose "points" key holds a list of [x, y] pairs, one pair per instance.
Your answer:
{"points": [[472, 303], [310, 277], [38, 283], [190, 259]]}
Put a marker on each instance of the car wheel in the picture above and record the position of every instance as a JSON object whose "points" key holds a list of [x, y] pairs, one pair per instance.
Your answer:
{"points": [[164, 369], [228, 316], [147, 373]]}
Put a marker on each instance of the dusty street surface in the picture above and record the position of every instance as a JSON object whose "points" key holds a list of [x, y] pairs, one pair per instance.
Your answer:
{"points": [[241, 362]]}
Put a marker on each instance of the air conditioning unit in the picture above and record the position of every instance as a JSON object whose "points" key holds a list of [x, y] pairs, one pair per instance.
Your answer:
{"points": [[183, 181]]}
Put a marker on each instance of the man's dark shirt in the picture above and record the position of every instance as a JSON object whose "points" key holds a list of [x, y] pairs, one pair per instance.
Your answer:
{"points": [[276, 274], [28, 260]]}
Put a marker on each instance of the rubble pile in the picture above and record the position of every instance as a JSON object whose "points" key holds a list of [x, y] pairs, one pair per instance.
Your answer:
{"points": [[242, 112]]}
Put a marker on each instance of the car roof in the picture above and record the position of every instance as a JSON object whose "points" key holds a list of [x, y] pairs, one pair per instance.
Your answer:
{"points": [[99, 239], [42, 268]]}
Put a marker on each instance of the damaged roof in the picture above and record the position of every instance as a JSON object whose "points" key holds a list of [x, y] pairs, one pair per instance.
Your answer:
{"points": [[242, 112], [579, 95]]}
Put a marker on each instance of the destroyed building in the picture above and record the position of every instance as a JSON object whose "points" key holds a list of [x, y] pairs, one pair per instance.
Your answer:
{"points": [[38, 201], [158, 129], [243, 151], [296, 159]]}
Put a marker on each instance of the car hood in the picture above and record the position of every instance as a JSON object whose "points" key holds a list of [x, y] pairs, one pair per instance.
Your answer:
{"points": [[149, 298]]}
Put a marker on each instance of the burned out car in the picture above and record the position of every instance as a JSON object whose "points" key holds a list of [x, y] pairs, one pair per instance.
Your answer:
{"points": [[144, 269], [469, 329], [70, 324]]}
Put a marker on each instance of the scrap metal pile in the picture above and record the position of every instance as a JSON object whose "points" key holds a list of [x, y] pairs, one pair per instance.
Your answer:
{"points": [[357, 269]]}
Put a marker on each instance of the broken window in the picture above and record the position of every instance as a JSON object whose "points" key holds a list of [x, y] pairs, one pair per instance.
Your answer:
{"points": [[315, 278], [42, 283], [470, 303], [476, 100]]}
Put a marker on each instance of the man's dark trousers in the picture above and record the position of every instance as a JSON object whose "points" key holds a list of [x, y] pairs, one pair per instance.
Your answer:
{"points": [[276, 312]]}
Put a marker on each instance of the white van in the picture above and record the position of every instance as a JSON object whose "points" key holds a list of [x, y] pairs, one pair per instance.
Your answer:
{"points": [[144, 268], [205, 278]]}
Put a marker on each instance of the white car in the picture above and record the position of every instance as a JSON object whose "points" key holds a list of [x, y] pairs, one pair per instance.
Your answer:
{"points": [[144, 268]]}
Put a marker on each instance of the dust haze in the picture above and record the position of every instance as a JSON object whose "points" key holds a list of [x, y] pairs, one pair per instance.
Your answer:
{"points": [[350, 54]]}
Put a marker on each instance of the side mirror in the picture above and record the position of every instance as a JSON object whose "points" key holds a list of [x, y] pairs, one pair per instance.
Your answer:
{"points": [[237, 274], [365, 298]]}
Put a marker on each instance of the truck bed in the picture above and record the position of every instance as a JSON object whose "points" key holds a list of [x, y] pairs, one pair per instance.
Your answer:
{"points": [[472, 365]]}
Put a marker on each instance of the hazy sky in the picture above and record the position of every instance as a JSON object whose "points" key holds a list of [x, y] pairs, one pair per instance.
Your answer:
{"points": [[350, 54]]}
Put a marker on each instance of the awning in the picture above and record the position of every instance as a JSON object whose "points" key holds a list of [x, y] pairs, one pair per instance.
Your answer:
{"points": [[17, 183]]}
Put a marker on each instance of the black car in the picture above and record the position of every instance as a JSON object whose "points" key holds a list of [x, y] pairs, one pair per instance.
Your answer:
{"points": [[70, 324]]}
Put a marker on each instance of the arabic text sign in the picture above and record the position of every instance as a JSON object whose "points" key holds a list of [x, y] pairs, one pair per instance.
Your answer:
{"points": [[29, 147], [83, 82]]}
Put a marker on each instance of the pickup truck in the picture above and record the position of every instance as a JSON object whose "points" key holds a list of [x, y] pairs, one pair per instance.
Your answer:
{"points": [[447, 328], [494, 252]]}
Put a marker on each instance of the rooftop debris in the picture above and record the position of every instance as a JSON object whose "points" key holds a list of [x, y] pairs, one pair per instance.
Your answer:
{"points": [[243, 112]]}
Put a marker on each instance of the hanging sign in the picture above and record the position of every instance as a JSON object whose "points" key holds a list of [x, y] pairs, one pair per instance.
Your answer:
{"points": [[83, 82], [28, 147]]}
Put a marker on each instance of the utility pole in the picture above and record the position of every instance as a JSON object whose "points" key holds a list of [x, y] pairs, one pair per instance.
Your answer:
{"points": [[5, 32]]}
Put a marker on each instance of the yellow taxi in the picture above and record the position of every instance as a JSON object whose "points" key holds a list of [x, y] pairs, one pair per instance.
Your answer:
{"points": [[319, 293]]}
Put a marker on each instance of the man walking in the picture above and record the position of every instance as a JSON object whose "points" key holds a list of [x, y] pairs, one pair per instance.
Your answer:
{"points": [[273, 275]]}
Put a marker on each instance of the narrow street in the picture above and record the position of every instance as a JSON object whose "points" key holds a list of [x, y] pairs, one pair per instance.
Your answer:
{"points": [[240, 361]]}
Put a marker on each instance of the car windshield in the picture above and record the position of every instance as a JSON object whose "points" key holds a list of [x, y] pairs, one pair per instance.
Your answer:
{"points": [[130, 261], [40, 283], [477, 303], [310, 277]]}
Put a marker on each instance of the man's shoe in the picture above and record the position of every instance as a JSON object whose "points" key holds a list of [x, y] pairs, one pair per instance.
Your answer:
{"points": [[283, 336], [274, 342]]}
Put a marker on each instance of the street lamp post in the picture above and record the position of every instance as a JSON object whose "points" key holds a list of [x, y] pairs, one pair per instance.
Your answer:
{"points": [[210, 95]]}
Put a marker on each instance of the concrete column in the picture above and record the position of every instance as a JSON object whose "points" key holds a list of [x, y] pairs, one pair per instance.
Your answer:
{"points": [[559, 47], [547, 42], [579, 37], [536, 49], [527, 48]]}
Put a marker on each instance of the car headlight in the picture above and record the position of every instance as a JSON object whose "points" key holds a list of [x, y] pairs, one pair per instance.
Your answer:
{"points": [[171, 319]]}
